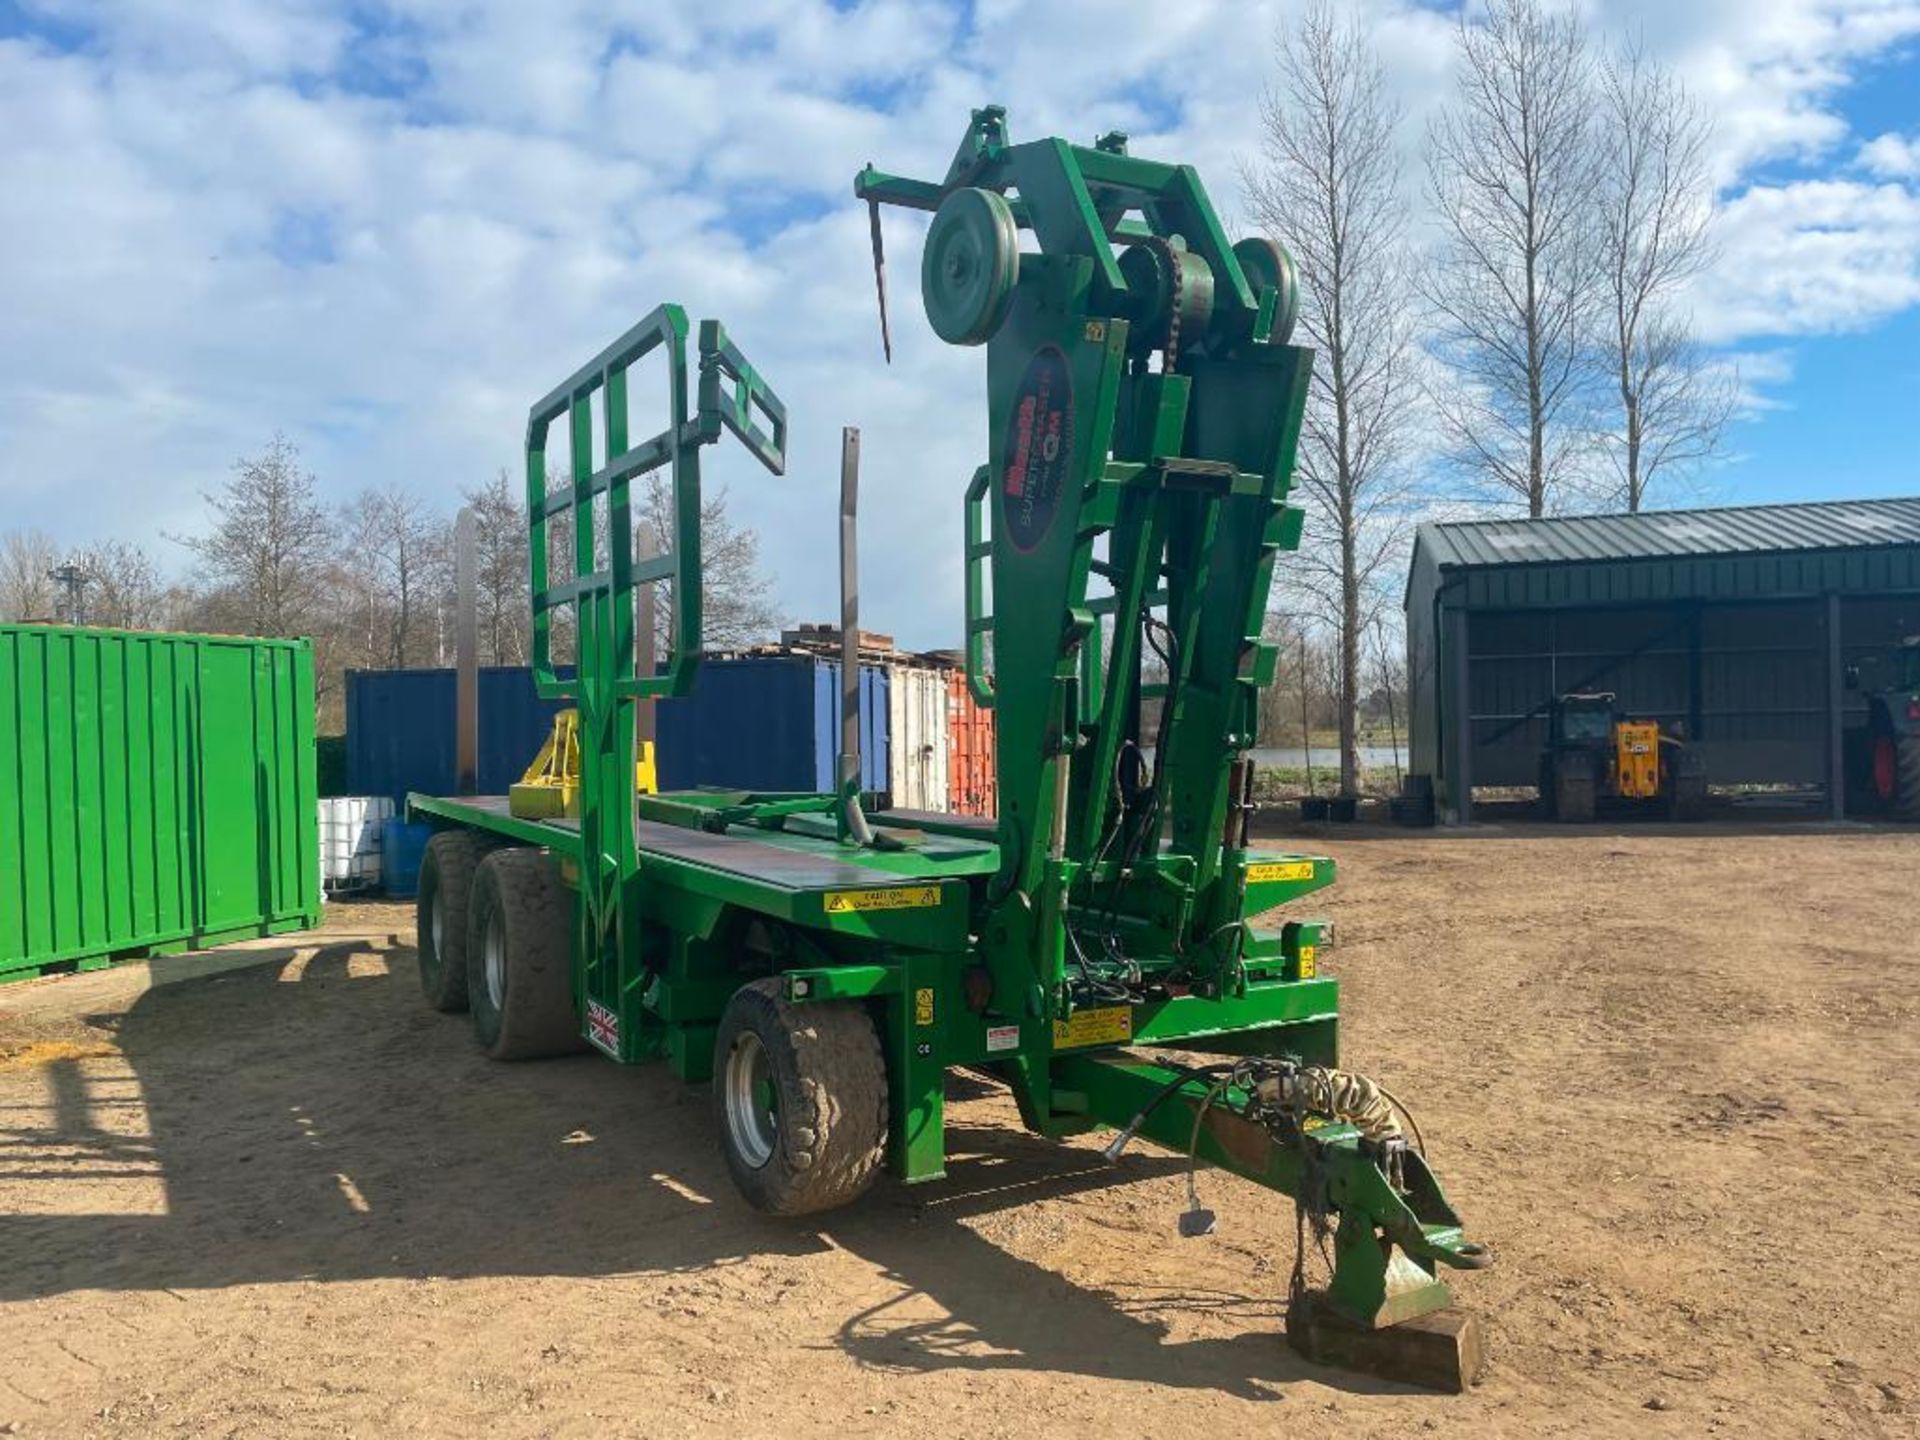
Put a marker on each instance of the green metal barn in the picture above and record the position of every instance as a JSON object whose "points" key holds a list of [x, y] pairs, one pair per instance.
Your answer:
{"points": [[1738, 625]]}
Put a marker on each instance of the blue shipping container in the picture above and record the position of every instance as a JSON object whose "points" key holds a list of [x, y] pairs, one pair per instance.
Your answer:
{"points": [[768, 722], [759, 722], [400, 730]]}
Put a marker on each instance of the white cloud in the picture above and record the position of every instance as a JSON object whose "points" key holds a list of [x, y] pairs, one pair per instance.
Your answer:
{"points": [[1814, 257], [269, 37], [1759, 375], [224, 218], [1769, 71], [1892, 156]]}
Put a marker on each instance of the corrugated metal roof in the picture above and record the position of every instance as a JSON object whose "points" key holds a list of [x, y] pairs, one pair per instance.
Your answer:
{"points": [[1658, 534]]}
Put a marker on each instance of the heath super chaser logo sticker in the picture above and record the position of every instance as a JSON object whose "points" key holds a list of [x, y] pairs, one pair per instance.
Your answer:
{"points": [[1039, 447]]}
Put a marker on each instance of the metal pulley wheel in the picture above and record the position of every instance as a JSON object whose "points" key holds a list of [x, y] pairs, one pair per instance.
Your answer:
{"points": [[970, 266], [1169, 296], [1268, 266]]}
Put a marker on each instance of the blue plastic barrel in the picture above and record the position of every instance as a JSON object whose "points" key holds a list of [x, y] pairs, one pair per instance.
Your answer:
{"points": [[401, 848]]}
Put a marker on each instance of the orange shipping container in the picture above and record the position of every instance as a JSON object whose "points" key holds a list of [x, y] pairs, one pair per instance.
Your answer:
{"points": [[970, 776]]}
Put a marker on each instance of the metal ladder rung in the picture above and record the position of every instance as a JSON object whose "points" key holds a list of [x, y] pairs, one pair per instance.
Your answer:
{"points": [[597, 583]]}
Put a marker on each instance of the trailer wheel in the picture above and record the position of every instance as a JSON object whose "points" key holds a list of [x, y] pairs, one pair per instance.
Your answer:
{"points": [[520, 958], [799, 1098], [440, 914]]}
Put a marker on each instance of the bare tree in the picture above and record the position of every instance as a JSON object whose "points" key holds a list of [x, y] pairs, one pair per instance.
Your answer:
{"points": [[124, 589], [27, 591], [266, 559], [739, 606], [395, 562], [1656, 206], [1328, 186], [1514, 180], [501, 574]]}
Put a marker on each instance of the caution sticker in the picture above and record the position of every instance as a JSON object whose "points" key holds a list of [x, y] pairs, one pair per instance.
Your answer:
{"points": [[1279, 870], [1111, 1025], [1001, 1038], [1309, 962], [923, 1006], [908, 897]]}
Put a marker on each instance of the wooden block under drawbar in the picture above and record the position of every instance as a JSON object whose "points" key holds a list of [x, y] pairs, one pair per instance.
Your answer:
{"points": [[1442, 1351]]}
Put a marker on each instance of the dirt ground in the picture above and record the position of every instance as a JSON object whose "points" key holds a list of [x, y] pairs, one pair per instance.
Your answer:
{"points": [[1671, 1079]]}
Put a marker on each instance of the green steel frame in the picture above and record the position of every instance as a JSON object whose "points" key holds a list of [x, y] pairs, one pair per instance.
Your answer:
{"points": [[600, 592], [1135, 498]]}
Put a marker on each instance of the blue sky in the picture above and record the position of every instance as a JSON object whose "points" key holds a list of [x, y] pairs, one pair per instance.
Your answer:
{"points": [[384, 228]]}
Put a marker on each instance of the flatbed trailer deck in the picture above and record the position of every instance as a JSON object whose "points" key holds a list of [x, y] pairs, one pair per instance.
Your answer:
{"points": [[909, 915]]}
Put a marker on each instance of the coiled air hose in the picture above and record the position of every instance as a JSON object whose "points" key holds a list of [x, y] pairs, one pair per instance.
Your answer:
{"points": [[1335, 1095]]}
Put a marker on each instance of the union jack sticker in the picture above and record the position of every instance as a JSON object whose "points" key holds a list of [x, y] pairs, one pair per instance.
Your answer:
{"points": [[603, 1028]]}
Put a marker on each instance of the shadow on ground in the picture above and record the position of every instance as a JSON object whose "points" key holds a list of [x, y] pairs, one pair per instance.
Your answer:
{"points": [[311, 1120]]}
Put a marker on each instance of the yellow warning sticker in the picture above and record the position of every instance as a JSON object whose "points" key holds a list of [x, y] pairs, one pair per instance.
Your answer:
{"points": [[923, 1006], [1279, 870], [907, 897], [1309, 961], [1096, 331], [1108, 1026]]}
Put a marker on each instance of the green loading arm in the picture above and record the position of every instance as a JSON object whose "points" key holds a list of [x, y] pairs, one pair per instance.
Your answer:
{"points": [[1144, 412]]}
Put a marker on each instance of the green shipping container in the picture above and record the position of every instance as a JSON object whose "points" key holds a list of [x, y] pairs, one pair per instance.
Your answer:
{"points": [[156, 794]]}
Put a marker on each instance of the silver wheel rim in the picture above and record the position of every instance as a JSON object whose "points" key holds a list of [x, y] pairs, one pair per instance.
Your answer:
{"points": [[437, 927], [752, 1121], [496, 958]]}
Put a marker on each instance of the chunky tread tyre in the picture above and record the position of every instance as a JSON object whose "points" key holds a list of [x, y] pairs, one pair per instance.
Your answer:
{"points": [[1685, 779], [446, 883], [831, 1081], [1906, 772], [519, 890]]}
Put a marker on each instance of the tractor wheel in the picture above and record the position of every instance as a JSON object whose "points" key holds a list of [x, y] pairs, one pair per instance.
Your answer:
{"points": [[1906, 774], [1574, 784], [1686, 781], [800, 1099], [440, 914], [520, 958]]}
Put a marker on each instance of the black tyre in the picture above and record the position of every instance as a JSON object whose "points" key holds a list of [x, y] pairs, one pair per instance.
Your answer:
{"points": [[1881, 780], [1686, 782], [799, 1098], [440, 914], [1574, 787], [1906, 772], [520, 958]]}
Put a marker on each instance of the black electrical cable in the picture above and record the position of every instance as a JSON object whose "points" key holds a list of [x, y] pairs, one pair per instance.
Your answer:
{"points": [[1183, 1075], [1101, 986]]}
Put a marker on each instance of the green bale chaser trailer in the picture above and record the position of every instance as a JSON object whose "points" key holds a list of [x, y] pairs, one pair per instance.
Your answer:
{"points": [[825, 964]]}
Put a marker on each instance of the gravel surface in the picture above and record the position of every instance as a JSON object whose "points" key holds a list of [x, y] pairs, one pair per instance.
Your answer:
{"points": [[1671, 1078]]}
